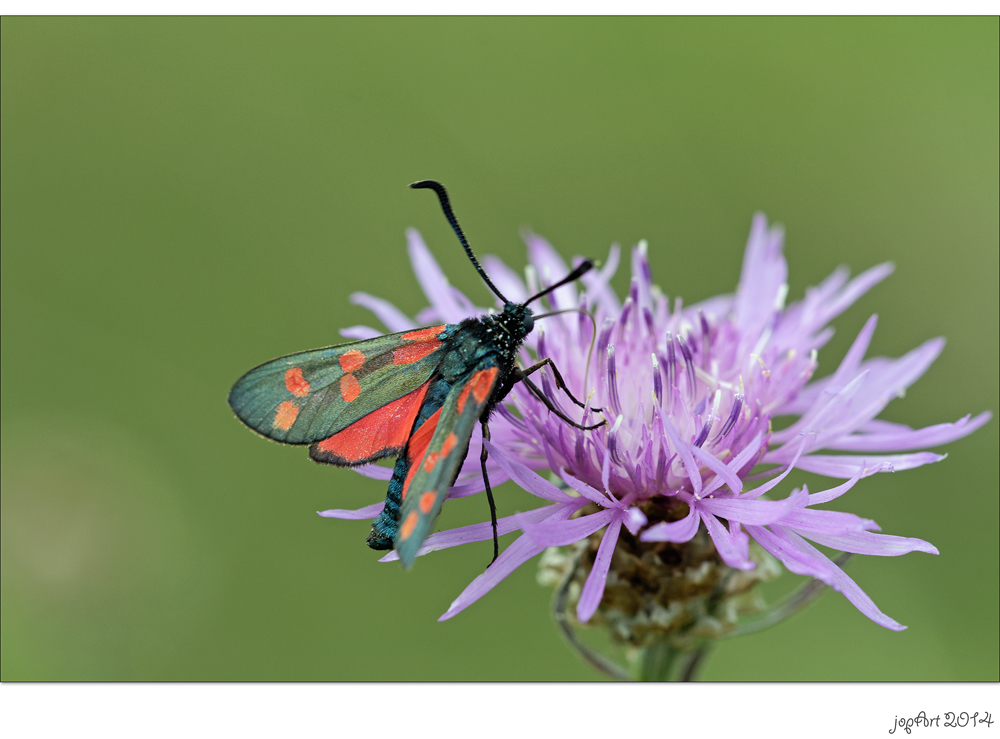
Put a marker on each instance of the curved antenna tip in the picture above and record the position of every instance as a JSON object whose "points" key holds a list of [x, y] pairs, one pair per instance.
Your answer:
{"points": [[581, 269], [442, 195], [426, 185]]}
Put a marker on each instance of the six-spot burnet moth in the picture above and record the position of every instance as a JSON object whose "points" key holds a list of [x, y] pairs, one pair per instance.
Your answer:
{"points": [[416, 396]]}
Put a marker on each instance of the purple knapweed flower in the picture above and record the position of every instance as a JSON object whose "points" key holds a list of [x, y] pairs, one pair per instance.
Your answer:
{"points": [[689, 394]]}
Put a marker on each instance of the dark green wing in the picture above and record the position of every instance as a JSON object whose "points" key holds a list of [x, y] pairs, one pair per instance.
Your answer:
{"points": [[307, 397]]}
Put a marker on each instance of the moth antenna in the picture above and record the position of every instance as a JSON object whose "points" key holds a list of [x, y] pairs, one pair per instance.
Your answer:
{"points": [[585, 266], [442, 194]]}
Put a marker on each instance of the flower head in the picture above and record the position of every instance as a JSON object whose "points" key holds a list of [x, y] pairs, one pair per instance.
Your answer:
{"points": [[689, 395]]}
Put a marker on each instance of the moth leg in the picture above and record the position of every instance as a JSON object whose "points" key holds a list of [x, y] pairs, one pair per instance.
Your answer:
{"points": [[489, 493], [548, 404], [560, 383]]}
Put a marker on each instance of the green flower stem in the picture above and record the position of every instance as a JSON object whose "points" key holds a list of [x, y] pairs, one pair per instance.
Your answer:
{"points": [[594, 659], [695, 662], [658, 662]]}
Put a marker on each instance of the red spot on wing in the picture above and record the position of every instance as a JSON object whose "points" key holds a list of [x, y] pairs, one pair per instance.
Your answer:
{"points": [[409, 353], [387, 428], [408, 525], [351, 360], [285, 415], [463, 396], [296, 383], [449, 444], [417, 447], [427, 502], [480, 386], [482, 383], [424, 334], [349, 388], [430, 461]]}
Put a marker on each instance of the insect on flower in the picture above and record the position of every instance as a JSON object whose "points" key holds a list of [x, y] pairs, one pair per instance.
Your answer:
{"points": [[415, 395]]}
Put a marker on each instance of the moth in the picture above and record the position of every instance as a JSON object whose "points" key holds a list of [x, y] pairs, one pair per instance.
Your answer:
{"points": [[415, 395]]}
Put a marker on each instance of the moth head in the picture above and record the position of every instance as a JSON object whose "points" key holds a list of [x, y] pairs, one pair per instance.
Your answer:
{"points": [[528, 320], [518, 318]]}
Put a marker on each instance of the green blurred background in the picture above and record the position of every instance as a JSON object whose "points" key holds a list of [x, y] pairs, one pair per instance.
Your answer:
{"points": [[185, 198]]}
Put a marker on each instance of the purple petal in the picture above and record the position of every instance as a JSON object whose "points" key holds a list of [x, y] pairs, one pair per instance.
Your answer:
{"points": [[598, 283], [714, 307], [825, 496], [827, 523], [369, 511], [820, 416], [718, 467], [392, 317], [606, 472], [842, 583], [845, 466], [883, 387], [480, 531], [361, 333], [585, 490], [829, 287], [854, 290], [467, 307], [432, 280], [684, 450], [551, 268], [795, 560], [476, 485], [507, 280], [733, 548], [748, 511], [525, 478], [849, 366], [865, 542], [761, 489], [374, 471], [764, 272], [461, 490], [878, 426], [826, 415], [737, 462], [634, 520], [642, 278], [427, 316], [593, 589], [907, 439], [676, 531], [519, 552], [555, 533]]}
